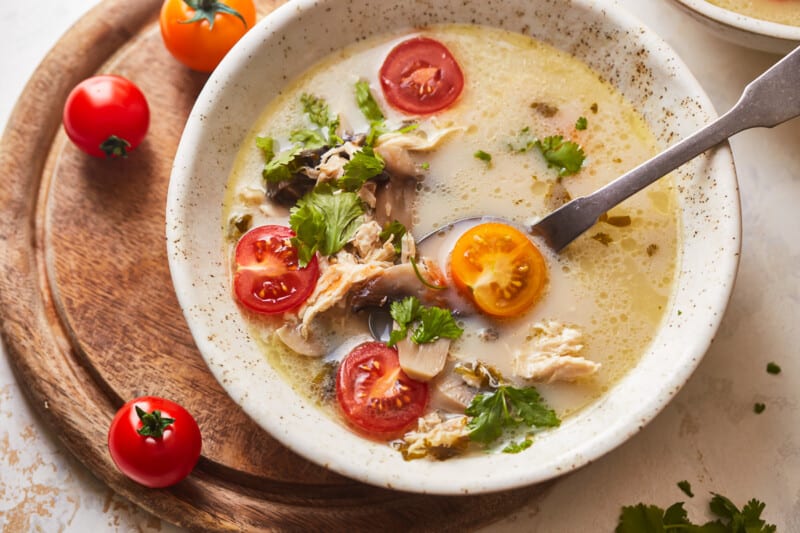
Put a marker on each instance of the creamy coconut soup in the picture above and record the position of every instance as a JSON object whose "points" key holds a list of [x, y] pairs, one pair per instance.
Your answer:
{"points": [[385, 141], [780, 11]]}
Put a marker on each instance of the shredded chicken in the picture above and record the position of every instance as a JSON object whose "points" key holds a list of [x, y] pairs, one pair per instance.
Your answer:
{"points": [[441, 438], [395, 148], [368, 244], [554, 356], [408, 247], [250, 195], [367, 193], [332, 162]]}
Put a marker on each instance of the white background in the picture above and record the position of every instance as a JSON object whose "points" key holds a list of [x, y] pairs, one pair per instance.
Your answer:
{"points": [[708, 435]]}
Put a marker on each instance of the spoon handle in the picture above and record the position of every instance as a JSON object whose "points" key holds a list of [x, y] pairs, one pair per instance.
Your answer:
{"points": [[770, 99]]}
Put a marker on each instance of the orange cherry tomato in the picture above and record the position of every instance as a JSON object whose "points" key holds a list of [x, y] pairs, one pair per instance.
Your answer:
{"points": [[199, 33], [499, 268]]}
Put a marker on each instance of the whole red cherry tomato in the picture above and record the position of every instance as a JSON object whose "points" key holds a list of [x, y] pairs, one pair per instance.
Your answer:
{"points": [[199, 33], [106, 116], [154, 441], [268, 277], [375, 395], [420, 76]]}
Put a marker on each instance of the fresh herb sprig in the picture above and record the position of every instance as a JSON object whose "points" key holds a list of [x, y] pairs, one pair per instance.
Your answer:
{"points": [[505, 408], [564, 155], [428, 324], [324, 222], [643, 518]]}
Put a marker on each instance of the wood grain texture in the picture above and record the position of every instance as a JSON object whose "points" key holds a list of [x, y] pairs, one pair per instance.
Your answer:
{"points": [[90, 319]]}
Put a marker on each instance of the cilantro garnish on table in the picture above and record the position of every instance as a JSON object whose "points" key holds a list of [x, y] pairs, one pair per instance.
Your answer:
{"points": [[643, 518], [324, 222], [429, 323]]}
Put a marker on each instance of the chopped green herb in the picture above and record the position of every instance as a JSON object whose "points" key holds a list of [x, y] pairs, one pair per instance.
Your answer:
{"points": [[566, 156], [483, 156], [324, 222], [506, 408], [394, 230], [686, 488], [425, 166], [366, 102], [651, 249], [317, 110], [516, 447], [581, 123], [524, 142], [643, 518], [282, 166], [432, 323], [773, 368], [309, 139], [238, 225], [680, 312], [266, 145], [759, 407], [363, 165]]}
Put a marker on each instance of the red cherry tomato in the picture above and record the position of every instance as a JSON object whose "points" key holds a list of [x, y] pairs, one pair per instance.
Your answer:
{"points": [[375, 395], [268, 277], [420, 76], [154, 441], [106, 116]]}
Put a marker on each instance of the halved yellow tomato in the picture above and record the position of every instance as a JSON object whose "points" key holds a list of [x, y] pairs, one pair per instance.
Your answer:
{"points": [[499, 268]]}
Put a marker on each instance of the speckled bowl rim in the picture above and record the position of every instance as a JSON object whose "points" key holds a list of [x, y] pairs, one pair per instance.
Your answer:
{"points": [[784, 36], [711, 229]]}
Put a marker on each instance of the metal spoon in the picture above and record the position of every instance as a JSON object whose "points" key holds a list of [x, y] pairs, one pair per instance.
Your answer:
{"points": [[769, 100]]}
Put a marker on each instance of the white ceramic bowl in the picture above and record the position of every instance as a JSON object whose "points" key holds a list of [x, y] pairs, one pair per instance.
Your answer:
{"points": [[601, 34], [742, 29]]}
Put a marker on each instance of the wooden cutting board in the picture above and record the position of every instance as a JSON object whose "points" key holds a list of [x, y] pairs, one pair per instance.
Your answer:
{"points": [[90, 319]]}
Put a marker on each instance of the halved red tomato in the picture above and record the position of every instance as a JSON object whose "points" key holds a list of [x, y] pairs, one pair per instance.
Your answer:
{"points": [[420, 76], [499, 268], [268, 277], [375, 395]]}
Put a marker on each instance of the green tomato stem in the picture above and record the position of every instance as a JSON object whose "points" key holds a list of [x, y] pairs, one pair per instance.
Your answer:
{"points": [[153, 425], [208, 9]]}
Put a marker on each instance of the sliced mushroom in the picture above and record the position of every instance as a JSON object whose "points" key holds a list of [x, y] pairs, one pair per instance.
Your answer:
{"points": [[449, 392], [293, 338], [423, 362]]}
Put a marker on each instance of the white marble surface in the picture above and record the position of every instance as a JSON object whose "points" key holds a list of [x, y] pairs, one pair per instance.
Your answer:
{"points": [[709, 435]]}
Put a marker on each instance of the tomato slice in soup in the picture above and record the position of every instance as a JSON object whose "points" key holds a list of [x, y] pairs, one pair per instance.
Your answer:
{"points": [[268, 277], [374, 393], [420, 76], [498, 268]]}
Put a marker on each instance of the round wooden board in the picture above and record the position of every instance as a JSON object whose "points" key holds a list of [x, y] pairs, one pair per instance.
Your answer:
{"points": [[90, 319]]}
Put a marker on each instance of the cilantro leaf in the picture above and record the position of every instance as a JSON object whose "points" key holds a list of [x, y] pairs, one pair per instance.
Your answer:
{"points": [[396, 230], [686, 487], [516, 447], [524, 142], [364, 164], [282, 166], [317, 110], [581, 123], [403, 312], [366, 102], [324, 222], [310, 139], [432, 323], [266, 145], [773, 368], [483, 156], [436, 323], [566, 156], [643, 518], [506, 408]]}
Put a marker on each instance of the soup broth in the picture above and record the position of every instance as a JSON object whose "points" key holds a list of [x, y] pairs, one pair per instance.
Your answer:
{"points": [[780, 11], [613, 284]]}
